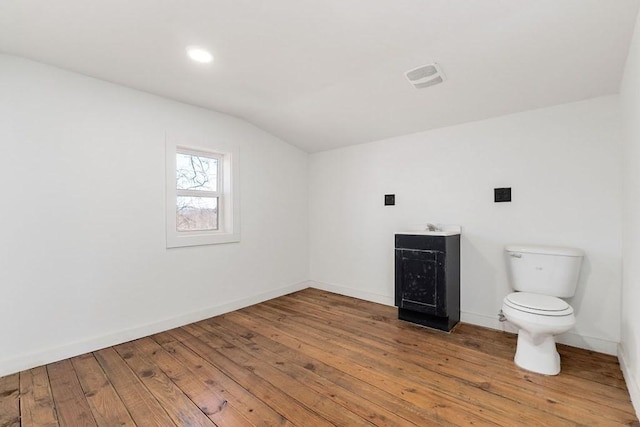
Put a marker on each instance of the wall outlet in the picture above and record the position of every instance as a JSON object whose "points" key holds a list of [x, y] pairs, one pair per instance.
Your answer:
{"points": [[389, 199], [502, 194]]}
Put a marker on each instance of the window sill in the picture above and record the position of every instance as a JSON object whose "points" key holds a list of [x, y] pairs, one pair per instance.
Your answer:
{"points": [[178, 241]]}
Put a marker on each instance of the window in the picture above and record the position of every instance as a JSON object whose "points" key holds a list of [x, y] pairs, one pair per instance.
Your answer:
{"points": [[197, 190], [202, 204]]}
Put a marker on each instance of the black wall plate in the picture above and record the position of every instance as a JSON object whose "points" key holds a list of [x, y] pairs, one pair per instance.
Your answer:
{"points": [[502, 194]]}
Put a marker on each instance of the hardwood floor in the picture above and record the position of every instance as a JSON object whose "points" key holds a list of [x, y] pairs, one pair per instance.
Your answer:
{"points": [[314, 359]]}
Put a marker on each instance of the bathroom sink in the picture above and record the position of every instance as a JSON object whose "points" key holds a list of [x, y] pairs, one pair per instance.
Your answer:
{"points": [[441, 230], [430, 233]]}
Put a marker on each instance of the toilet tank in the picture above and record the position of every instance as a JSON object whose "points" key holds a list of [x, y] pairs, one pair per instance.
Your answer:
{"points": [[546, 270]]}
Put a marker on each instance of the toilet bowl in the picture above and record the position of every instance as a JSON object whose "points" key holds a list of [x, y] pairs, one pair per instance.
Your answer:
{"points": [[540, 275], [538, 319]]}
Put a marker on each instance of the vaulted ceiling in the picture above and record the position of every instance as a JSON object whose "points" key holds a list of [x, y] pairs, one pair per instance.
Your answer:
{"points": [[330, 73]]}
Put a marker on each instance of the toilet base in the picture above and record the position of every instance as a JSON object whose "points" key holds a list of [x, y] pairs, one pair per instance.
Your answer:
{"points": [[537, 353]]}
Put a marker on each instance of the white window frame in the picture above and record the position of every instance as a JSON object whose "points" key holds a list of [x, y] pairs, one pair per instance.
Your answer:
{"points": [[228, 196], [218, 194]]}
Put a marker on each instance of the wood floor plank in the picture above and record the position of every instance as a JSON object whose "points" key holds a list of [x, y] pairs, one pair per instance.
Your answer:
{"points": [[485, 342], [406, 374], [9, 400], [597, 367], [313, 358], [496, 396], [502, 383], [492, 337], [218, 408], [142, 406], [376, 396], [274, 397], [105, 404], [441, 406], [289, 384], [36, 400], [71, 405], [177, 405], [511, 382], [255, 410], [377, 317], [305, 373], [604, 390]]}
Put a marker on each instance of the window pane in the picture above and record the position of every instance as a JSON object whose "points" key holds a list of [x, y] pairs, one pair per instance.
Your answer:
{"points": [[196, 172], [196, 213]]}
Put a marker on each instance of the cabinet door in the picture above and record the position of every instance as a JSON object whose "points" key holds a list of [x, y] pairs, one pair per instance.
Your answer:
{"points": [[420, 281]]}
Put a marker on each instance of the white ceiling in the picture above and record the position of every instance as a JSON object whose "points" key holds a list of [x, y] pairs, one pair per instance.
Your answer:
{"points": [[327, 73]]}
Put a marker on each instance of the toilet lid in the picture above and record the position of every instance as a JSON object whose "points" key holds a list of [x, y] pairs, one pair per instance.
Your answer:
{"points": [[538, 304]]}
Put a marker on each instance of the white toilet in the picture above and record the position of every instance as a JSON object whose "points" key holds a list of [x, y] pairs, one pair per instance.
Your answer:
{"points": [[540, 275]]}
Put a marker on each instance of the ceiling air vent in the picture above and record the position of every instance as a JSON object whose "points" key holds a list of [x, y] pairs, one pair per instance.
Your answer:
{"points": [[425, 76]]}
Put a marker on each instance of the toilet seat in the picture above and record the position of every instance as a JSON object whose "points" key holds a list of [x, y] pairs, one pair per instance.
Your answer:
{"points": [[543, 305]]}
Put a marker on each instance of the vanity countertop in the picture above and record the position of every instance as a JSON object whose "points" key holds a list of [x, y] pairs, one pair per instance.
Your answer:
{"points": [[442, 230]]}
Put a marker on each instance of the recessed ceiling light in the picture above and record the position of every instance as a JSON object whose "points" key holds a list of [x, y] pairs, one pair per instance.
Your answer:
{"points": [[199, 55]]}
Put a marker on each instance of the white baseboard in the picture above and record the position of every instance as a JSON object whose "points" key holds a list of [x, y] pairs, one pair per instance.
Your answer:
{"points": [[588, 343], [570, 338], [491, 322], [351, 292], [575, 340], [9, 366], [632, 384], [50, 355]]}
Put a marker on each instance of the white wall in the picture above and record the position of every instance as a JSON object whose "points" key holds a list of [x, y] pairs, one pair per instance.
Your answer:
{"points": [[563, 164], [630, 339], [83, 262]]}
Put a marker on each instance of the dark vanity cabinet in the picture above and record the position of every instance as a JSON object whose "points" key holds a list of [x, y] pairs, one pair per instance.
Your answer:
{"points": [[428, 279]]}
